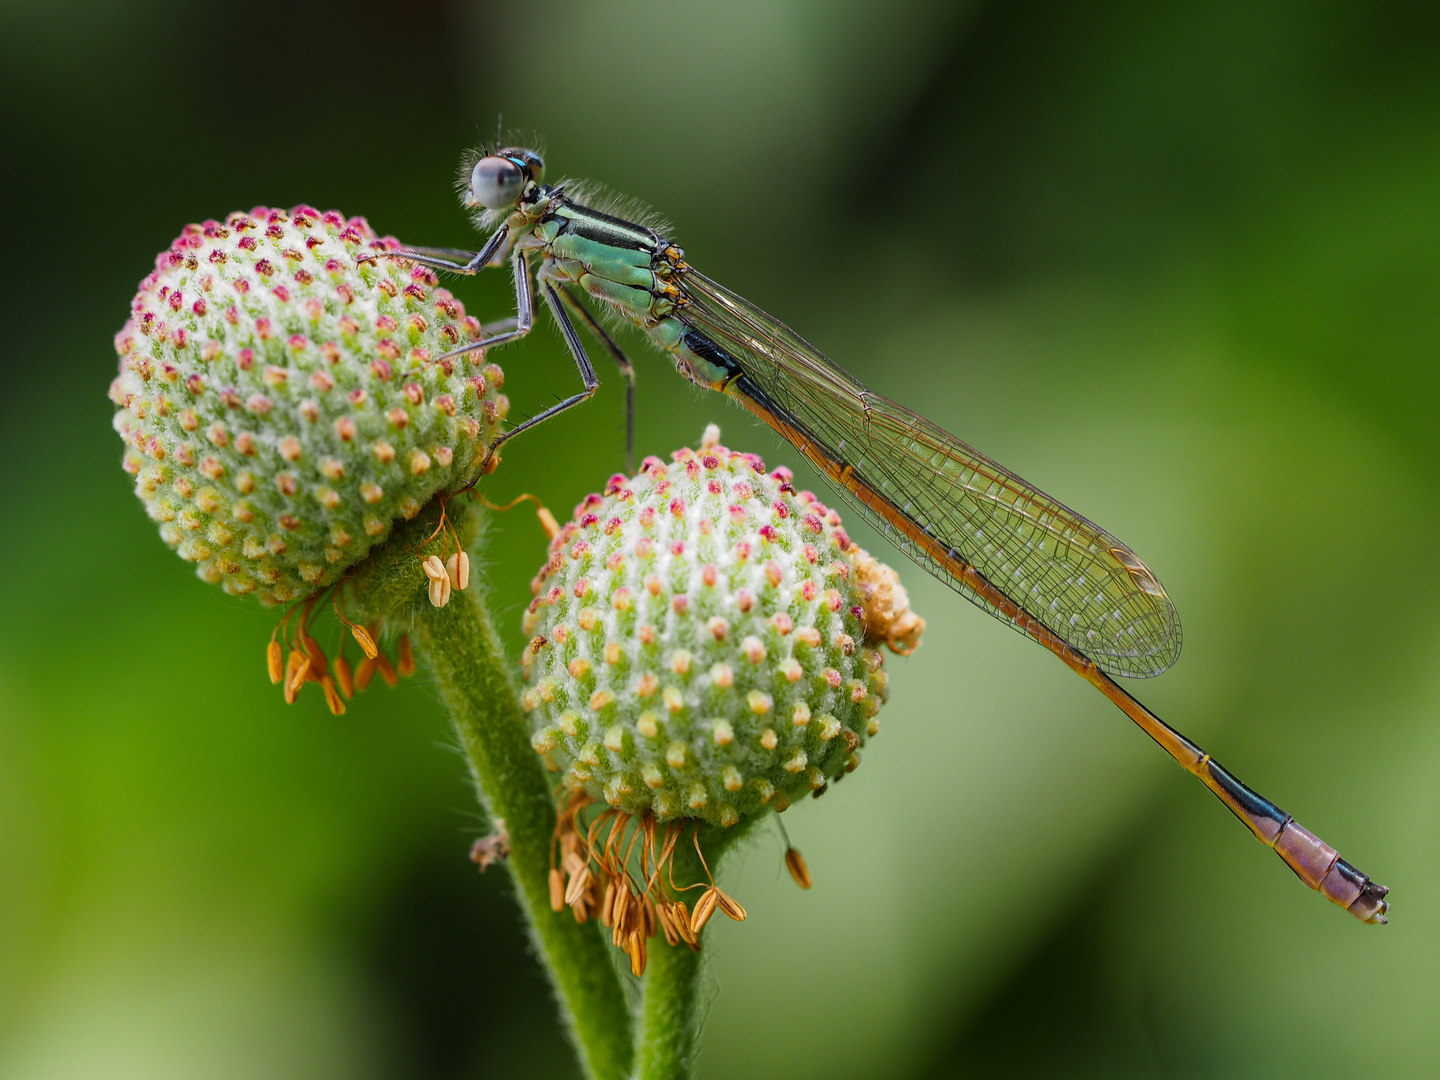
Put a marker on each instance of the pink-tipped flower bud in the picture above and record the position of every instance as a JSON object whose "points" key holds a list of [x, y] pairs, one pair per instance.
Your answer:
{"points": [[274, 430], [674, 670]]}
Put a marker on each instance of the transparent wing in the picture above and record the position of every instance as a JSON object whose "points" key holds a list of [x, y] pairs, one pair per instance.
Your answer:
{"points": [[945, 504]]}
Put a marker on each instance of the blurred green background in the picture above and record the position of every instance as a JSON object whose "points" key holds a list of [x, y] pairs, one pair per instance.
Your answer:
{"points": [[1178, 263]]}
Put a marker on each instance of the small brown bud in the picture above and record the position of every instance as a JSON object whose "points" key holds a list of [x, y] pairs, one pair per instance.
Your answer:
{"points": [[795, 863]]}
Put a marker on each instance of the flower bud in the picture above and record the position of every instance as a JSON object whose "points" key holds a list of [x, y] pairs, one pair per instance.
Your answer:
{"points": [[283, 405], [701, 642]]}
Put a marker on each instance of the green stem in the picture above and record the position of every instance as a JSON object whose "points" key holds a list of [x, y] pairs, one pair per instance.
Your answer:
{"points": [[670, 1011], [475, 682]]}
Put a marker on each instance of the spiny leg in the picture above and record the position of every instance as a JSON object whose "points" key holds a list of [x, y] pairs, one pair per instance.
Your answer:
{"points": [[500, 326], [416, 255], [520, 323], [461, 256], [435, 258], [622, 361], [582, 361]]}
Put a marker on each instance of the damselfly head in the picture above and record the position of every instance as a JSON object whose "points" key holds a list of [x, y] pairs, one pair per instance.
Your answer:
{"points": [[498, 180]]}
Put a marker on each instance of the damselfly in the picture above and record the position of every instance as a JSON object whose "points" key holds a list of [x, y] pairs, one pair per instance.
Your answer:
{"points": [[995, 539]]}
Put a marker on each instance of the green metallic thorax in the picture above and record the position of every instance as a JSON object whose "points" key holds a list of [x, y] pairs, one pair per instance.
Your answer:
{"points": [[628, 267]]}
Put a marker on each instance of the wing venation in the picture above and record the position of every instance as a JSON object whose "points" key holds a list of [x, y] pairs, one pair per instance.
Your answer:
{"points": [[1060, 568]]}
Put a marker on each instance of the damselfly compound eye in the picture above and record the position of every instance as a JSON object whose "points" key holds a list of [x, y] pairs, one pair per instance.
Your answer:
{"points": [[529, 160], [496, 183]]}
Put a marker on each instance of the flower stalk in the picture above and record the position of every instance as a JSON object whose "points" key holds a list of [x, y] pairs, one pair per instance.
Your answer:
{"points": [[464, 654], [671, 1006]]}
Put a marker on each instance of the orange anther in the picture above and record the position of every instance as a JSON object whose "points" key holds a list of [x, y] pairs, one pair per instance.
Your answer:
{"points": [[343, 677], [557, 890], [296, 669], [332, 696], [795, 863], [704, 908], [318, 664], [386, 669], [729, 905], [364, 639]]}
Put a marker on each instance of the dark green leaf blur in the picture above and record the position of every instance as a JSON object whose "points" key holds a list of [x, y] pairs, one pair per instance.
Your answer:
{"points": [[1176, 263]]}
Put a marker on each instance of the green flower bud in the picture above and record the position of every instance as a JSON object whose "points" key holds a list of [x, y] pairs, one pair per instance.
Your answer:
{"points": [[283, 405], [704, 641]]}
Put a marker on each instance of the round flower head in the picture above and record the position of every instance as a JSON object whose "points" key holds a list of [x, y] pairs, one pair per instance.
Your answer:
{"points": [[705, 641], [284, 400]]}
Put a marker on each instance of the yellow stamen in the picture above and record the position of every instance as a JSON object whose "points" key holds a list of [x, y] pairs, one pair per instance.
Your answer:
{"points": [[295, 671], [457, 568], [729, 904], [704, 908], [607, 905], [637, 953], [575, 890], [439, 580], [667, 925]]}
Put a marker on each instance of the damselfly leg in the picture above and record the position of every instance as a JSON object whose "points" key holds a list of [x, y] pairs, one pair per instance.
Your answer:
{"points": [[524, 312], [440, 258], [627, 369], [515, 327], [582, 361]]}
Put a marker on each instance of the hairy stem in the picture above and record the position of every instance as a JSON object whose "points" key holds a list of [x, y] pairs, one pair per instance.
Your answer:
{"points": [[671, 1009], [475, 682]]}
